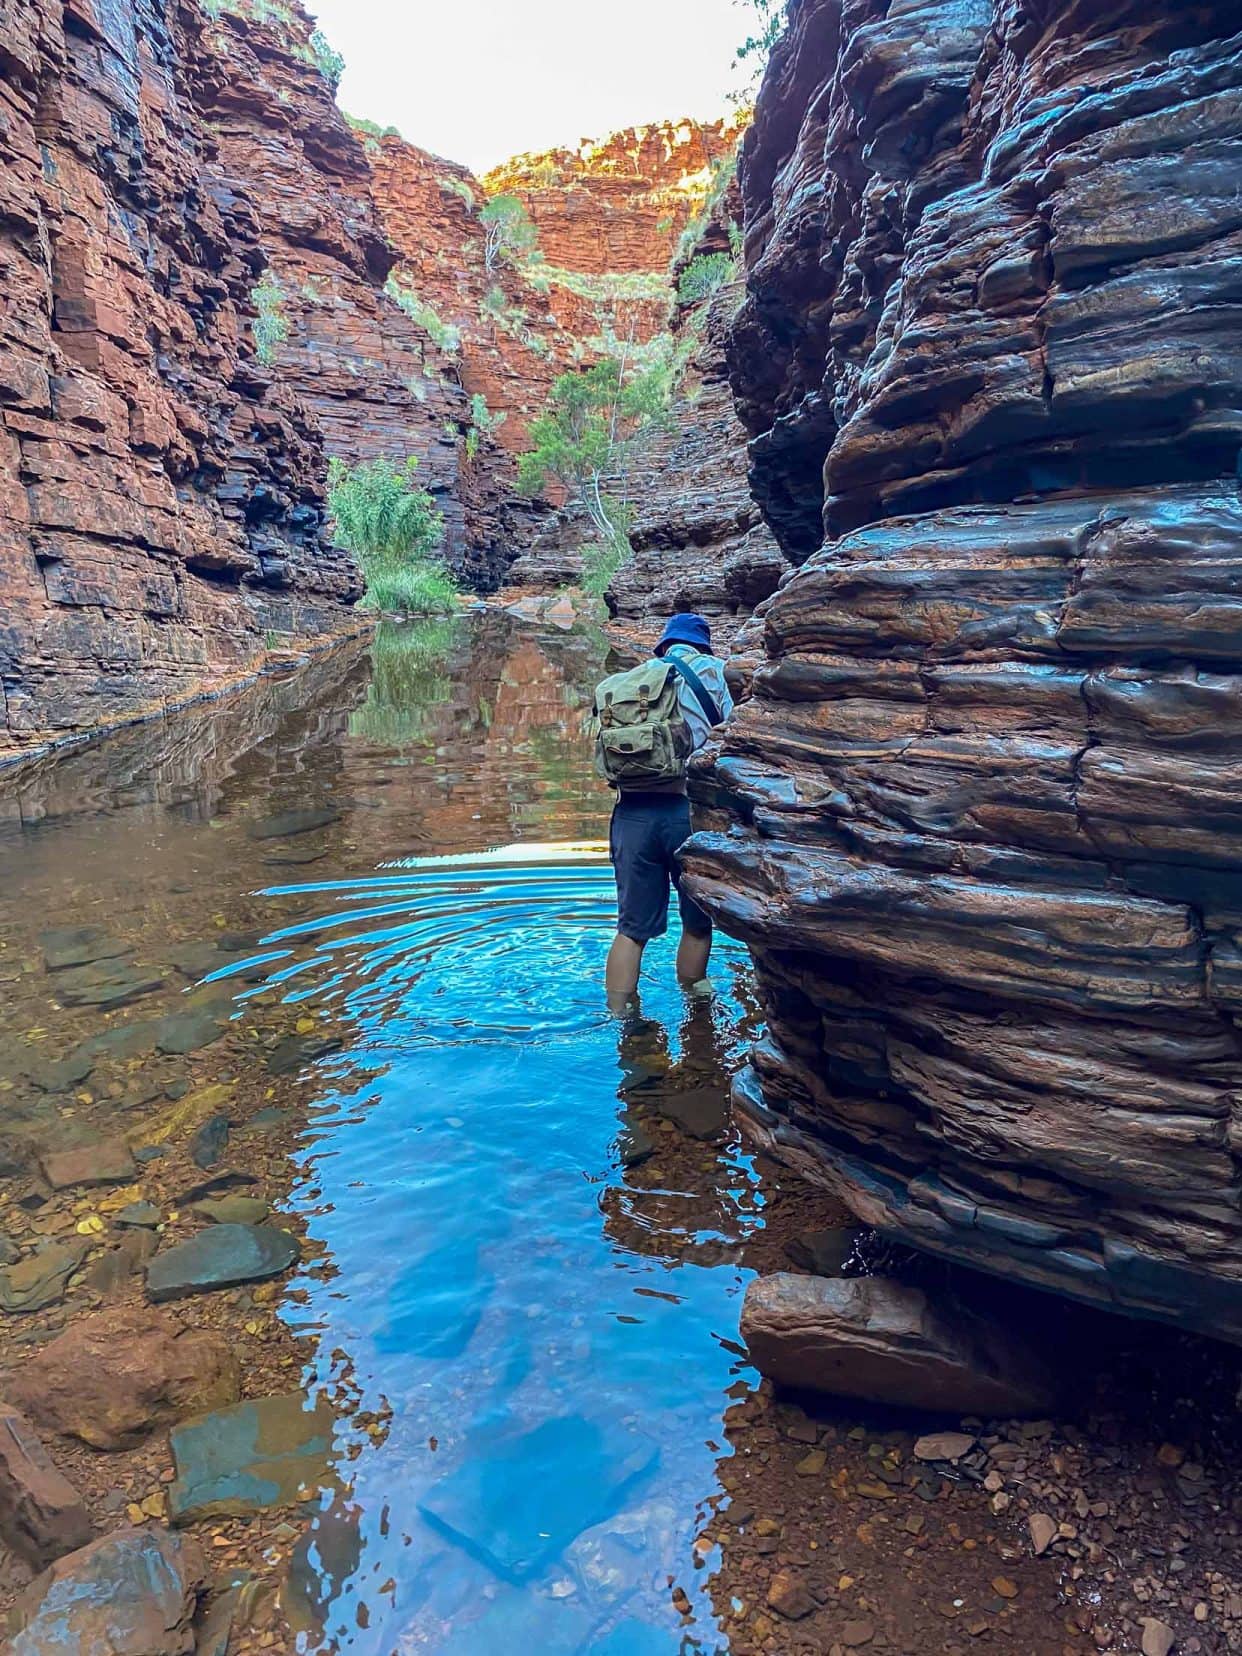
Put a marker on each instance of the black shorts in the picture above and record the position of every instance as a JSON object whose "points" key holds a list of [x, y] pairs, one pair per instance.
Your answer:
{"points": [[646, 833]]}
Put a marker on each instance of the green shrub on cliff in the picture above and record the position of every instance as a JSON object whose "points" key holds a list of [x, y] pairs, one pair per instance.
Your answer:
{"points": [[446, 336], [582, 441], [270, 326], [724, 171], [768, 20], [393, 528], [456, 187], [702, 276], [328, 61]]}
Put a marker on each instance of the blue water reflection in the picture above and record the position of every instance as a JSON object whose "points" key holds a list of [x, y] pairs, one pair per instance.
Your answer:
{"points": [[532, 1213]]}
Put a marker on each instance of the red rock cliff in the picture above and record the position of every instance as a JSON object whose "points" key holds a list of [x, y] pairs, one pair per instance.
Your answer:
{"points": [[375, 381], [983, 812], [619, 203], [160, 494], [608, 216]]}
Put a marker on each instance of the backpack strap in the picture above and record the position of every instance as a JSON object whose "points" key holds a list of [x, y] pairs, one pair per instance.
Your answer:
{"points": [[701, 693]]}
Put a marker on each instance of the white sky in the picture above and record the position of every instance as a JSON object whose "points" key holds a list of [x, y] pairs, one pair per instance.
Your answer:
{"points": [[480, 80]]}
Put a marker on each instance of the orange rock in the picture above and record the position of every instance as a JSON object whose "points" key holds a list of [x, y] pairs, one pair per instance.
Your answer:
{"points": [[113, 1378]]}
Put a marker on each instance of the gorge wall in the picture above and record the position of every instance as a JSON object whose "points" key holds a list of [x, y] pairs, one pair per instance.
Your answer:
{"points": [[980, 818], [618, 204], [161, 499], [213, 282], [608, 217], [375, 382], [698, 539]]}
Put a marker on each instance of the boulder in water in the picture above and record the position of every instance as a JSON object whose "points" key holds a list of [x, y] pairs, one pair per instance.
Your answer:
{"points": [[41, 1514], [112, 1379], [40, 1279], [262, 1453], [221, 1257]]}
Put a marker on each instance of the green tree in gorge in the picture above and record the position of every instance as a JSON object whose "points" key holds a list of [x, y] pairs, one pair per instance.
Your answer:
{"points": [[508, 231], [582, 440]]}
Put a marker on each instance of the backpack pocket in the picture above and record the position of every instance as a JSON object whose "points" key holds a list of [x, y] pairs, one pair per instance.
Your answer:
{"points": [[636, 753]]}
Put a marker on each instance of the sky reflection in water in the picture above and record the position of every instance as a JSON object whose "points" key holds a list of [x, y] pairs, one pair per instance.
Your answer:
{"points": [[552, 1329]]}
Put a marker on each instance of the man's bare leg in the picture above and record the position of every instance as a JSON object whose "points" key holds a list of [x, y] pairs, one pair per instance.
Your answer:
{"points": [[693, 953], [625, 959]]}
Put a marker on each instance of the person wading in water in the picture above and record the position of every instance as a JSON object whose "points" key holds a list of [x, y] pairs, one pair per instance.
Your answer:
{"points": [[648, 722]]}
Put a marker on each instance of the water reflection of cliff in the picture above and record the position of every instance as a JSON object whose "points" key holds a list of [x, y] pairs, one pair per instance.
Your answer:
{"points": [[473, 726], [447, 713], [189, 758]]}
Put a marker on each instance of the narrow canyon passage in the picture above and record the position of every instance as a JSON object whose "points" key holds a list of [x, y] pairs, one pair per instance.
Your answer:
{"points": [[369, 1284]]}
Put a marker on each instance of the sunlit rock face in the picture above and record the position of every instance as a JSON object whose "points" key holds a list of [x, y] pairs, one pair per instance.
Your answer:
{"points": [[981, 819], [161, 495]]}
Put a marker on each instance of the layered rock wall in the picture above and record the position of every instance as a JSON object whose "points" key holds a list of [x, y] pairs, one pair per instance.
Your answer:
{"points": [[699, 542], [377, 384], [161, 496], [981, 817], [620, 203], [519, 325]]}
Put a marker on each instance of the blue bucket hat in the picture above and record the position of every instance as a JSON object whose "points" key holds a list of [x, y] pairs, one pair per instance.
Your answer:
{"points": [[686, 629]]}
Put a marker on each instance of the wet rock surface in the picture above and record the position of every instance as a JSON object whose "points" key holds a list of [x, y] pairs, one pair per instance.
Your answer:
{"points": [[266, 1452], [162, 503], [221, 1257], [978, 818], [129, 1594], [39, 1279], [886, 1342], [692, 1207], [41, 1514]]}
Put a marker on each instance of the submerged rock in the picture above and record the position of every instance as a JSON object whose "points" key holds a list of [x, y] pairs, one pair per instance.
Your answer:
{"points": [[133, 1593], [886, 1342], [232, 1210], [41, 1278], [228, 1178], [221, 1257], [61, 1074], [107, 1162], [210, 1142], [112, 1379], [287, 824], [139, 1215], [265, 1452], [296, 1051], [107, 984], [184, 1032], [41, 1514], [66, 946], [518, 1501], [113, 1269]]}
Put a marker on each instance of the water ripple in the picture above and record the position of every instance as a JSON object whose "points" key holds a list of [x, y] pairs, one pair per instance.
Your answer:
{"points": [[495, 946]]}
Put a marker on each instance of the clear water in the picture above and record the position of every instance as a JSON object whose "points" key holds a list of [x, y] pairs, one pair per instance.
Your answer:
{"points": [[533, 1218]]}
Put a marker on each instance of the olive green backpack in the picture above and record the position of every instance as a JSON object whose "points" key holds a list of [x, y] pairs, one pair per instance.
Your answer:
{"points": [[641, 737]]}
